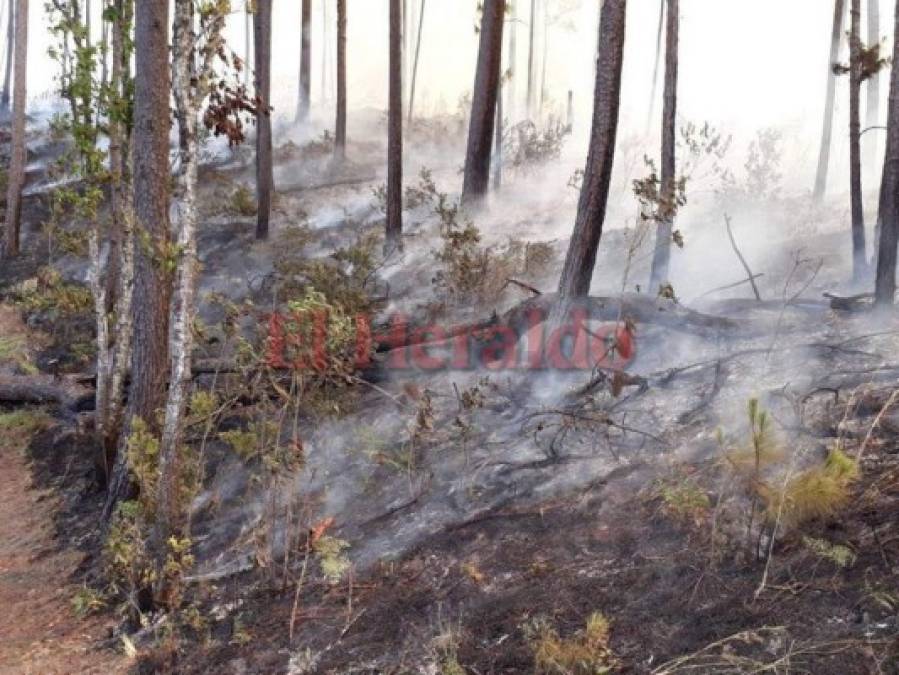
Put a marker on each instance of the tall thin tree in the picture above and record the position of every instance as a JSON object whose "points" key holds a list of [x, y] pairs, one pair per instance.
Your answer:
{"points": [[10, 41], [872, 105], [394, 236], [262, 38], [855, 159], [16, 174], [340, 125], [839, 14], [532, 35], [421, 23], [152, 282], [483, 105], [661, 259], [577, 271], [305, 89], [885, 283], [655, 70]]}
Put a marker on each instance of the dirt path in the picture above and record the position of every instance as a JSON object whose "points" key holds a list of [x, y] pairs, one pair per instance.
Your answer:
{"points": [[39, 631]]}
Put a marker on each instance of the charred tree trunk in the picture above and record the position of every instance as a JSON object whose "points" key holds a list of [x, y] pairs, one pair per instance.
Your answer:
{"points": [[872, 105], [18, 155], [262, 37], [483, 104], [855, 160], [10, 41], [340, 126], [662, 254], [305, 97], [578, 269], [421, 23], [394, 236], [885, 285], [152, 287], [839, 13]]}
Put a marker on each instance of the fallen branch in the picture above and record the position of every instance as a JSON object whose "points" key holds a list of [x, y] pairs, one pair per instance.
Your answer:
{"points": [[733, 242]]}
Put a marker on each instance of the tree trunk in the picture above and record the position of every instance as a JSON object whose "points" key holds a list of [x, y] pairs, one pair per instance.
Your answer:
{"points": [[872, 107], [542, 98], [498, 142], [340, 126], [839, 13], [578, 269], [18, 155], [855, 159], [421, 23], [395, 133], [152, 287], [532, 29], [248, 44], [885, 286], [483, 104], [662, 254], [305, 63], [655, 70], [262, 37], [512, 103], [10, 41], [120, 272]]}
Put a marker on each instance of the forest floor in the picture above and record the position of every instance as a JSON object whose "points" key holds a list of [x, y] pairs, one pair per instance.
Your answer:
{"points": [[40, 633], [608, 537]]}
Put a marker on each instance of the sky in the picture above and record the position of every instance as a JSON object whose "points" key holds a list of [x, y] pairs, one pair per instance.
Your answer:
{"points": [[743, 65]]}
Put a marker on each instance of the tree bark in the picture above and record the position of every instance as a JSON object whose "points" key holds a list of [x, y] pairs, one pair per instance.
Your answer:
{"points": [[394, 233], [885, 284], [10, 41], [483, 106], [340, 126], [248, 44], [839, 13], [262, 37], [662, 254], [578, 269], [855, 159], [152, 287], [872, 106], [305, 97], [421, 23], [18, 155], [512, 9]]}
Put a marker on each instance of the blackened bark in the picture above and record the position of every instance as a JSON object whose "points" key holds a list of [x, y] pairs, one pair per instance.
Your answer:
{"points": [[885, 285], [855, 158], [340, 126], [498, 142], [483, 104], [839, 13], [16, 174], [262, 38], [395, 133], [662, 254], [578, 269], [305, 62]]}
